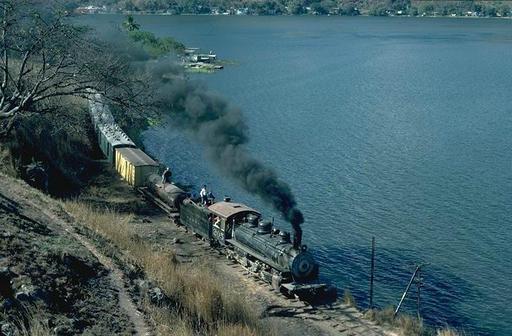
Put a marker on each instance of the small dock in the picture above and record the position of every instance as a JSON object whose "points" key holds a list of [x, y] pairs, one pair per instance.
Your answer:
{"points": [[197, 61]]}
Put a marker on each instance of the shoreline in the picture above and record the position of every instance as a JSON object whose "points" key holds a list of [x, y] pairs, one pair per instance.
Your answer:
{"points": [[302, 15]]}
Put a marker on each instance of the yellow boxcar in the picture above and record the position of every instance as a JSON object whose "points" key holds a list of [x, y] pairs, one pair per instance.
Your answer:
{"points": [[134, 165]]}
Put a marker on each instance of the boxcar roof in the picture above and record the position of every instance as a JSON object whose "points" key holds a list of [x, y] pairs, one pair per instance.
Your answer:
{"points": [[115, 135], [100, 111], [228, 209], [136, 157]]}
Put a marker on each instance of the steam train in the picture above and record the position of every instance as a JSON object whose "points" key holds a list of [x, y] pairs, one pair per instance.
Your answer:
{"points": [[239, 230]]}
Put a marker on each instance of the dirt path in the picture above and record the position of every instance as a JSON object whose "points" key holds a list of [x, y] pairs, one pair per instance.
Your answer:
{"points": [[116, 275]]}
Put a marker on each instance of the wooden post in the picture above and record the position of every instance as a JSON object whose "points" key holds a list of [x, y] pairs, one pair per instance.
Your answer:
{"points": [[372, 272], [406, 290]]}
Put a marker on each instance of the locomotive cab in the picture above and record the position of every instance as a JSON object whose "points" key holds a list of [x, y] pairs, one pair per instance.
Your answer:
{"points": [[226, 216]]}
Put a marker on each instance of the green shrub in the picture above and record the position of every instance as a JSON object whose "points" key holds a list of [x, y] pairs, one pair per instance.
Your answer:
{"points": [[156, 46]]}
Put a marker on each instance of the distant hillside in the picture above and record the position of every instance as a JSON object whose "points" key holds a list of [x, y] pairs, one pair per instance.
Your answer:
{"points": [[300, 7]]}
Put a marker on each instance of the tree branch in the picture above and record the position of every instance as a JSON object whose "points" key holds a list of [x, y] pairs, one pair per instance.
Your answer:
{"points": [[5, 57]]}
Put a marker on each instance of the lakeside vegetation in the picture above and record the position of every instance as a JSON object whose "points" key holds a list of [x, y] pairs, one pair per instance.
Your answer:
{"points": [[300, 7]]}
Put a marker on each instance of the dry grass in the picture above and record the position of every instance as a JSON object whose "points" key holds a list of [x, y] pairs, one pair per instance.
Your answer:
{"points": [[201, 304], [106, 223], [170, 322], [235, 330], [448, 332], [33, 324], [409, 326], [404, 324], [349, 299], [384, 316], [167, 321], [107, 189]]}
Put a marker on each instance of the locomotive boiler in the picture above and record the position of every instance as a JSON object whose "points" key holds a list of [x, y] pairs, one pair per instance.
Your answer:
{"points": [[169, 193], [276, 249]]}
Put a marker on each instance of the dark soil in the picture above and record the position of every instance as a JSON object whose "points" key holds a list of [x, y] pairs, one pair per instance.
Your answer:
{"points": [[46, 273]]}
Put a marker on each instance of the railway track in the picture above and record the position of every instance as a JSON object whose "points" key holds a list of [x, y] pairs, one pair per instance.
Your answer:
{"points": [[337, 317]]}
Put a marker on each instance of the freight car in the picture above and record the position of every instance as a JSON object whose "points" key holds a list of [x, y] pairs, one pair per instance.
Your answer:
{"points": [[99, 111], [110, 138], [110, 135], [134, 166], [237, 229], [130, 162]]}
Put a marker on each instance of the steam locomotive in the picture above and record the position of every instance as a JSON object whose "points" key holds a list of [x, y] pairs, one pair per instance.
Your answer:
{"points": [[239, 230], [246, 237]]}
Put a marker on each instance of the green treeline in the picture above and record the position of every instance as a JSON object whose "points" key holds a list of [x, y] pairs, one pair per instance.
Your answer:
{"points": [[312, 7]]}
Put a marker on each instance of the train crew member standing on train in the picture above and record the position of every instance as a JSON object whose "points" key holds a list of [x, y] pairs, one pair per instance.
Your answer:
{"points": [[210, 197], [166, 176], [204, 194]]}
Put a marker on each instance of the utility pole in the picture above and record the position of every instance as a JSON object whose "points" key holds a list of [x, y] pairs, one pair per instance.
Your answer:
{"points": [[372, 272]]}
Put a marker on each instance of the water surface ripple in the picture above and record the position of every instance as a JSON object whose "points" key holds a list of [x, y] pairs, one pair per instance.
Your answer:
{"points": [[398, 128]]}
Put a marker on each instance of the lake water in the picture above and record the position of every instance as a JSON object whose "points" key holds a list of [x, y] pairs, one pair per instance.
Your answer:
{"points": [[398, 128]]}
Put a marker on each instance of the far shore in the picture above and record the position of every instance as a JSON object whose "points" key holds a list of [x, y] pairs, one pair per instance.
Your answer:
{"points": [[304, 15]]}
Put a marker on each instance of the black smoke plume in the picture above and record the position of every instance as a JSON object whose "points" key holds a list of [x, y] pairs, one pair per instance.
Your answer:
{"points": [[216, 124], [221, 129]]}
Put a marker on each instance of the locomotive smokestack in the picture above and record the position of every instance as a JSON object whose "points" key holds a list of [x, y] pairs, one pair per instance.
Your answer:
{"points": [[295, 217], [297, 237]]}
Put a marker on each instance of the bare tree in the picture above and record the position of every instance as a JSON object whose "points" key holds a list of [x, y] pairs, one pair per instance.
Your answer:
{"points": [[44, 57]]}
